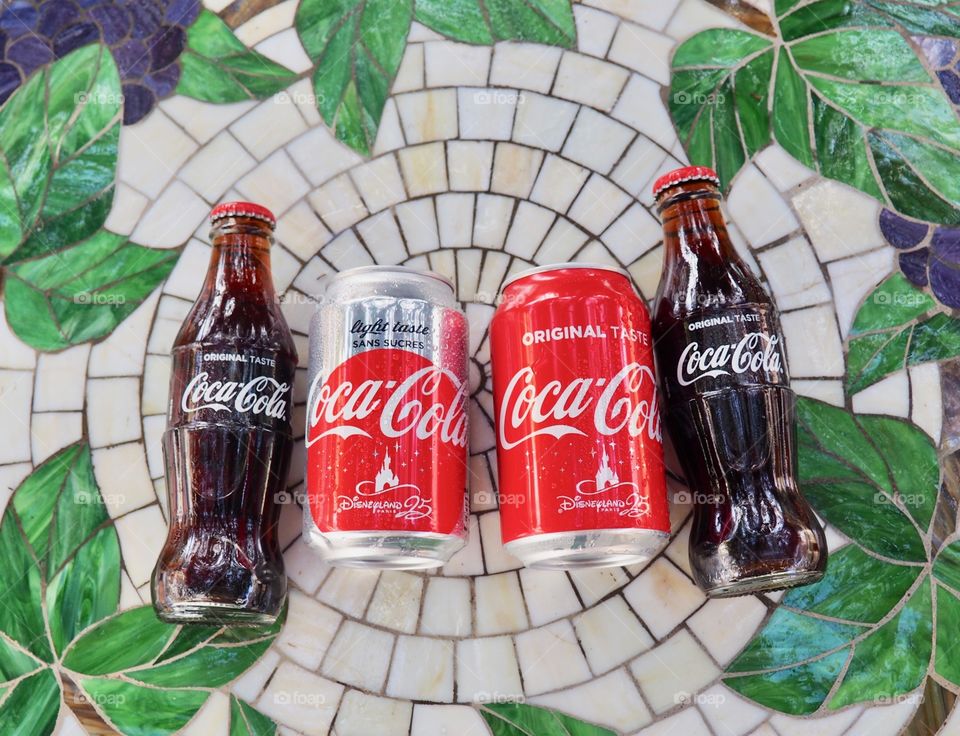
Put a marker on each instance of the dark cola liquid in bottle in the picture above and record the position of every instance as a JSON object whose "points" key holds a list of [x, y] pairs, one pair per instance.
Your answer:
{"points": [[730, 410], [228, 440]]}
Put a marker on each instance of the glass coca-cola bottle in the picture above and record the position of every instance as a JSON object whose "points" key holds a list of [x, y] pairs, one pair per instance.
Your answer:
{"points": [[730, 410], [228, 440]]}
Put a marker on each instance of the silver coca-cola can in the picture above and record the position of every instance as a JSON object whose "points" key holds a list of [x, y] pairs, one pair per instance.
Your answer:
{"points": [[386, 434]]}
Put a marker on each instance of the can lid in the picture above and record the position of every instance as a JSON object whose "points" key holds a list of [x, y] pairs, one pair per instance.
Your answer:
{"points": [[563, 267], [243, 209], [685, 174]]}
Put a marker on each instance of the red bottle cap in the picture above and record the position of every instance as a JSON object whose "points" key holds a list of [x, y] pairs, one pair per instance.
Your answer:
{"points": [[687, 173], [243, 209]]}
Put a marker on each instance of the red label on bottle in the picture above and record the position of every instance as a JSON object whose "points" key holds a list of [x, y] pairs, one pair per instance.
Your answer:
{"points": [[386, 445], [578, 421]]}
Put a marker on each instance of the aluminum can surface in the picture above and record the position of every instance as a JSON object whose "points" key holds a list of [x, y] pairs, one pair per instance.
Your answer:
{"points": [[579, 453], [386, 434]]}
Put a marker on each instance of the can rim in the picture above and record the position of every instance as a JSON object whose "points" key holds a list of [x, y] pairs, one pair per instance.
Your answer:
{"points": [[376, 268], [563, 267]]}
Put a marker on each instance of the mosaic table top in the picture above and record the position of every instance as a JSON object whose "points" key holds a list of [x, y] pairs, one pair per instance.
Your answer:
{"points": [[477, 139]]}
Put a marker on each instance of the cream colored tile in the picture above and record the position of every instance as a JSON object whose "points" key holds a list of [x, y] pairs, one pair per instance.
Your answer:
{"points": [[832, 725], [486, 114], [202, 120], [447, 720], [249, 685], [491, 221], [59, 386], [641, 107], [301, 231], [692, 16], [595, 30], [515, 169], [926, 399], [212, 718], [216, 166], [418, 221], [550, 658], [525, 66], [338, 203], [450, 64], [124, 478], [528, 229], [687, 722], [381, 233], [549, 595], [275, 183], [309, 629], [635, 232], [663, 597], [321, 156], [642, 50], [611, 634], [141, 534], [121, 354], [611, 700], [543, 122], [724, 626], [51, 432], [390, 133], [301, 700], [455, 222], [379, 183], [304, 567], [606, 80], [361, 715], [151, 152], [185, 281], [782, 169], [487, 671], [113, 410], [410, 75], [889, 396], [469, 560], [595, 583], [670, 674], [597, 141], [422, 669], [794, 274], [495, 556], [446, 608], [499, 604], [285, 48], [813, 342], [128, 205], [840, 220], [598, 204], [470, 165], [561, 244], [428, 116], [268, 126], [267, 22], [171, 219], [728, 713], [853, 279], [424, 169], [758, 209], [396, 601], [359, 656], [646, 272], [558, 183], [348, 590]]}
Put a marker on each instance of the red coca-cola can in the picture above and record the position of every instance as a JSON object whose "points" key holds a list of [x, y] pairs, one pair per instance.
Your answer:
{"points": [[386, 435], [579, 453]]}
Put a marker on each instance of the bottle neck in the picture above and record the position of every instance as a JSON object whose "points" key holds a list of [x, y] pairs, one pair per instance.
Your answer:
{"points": [[240, 265], [694, 231]]}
